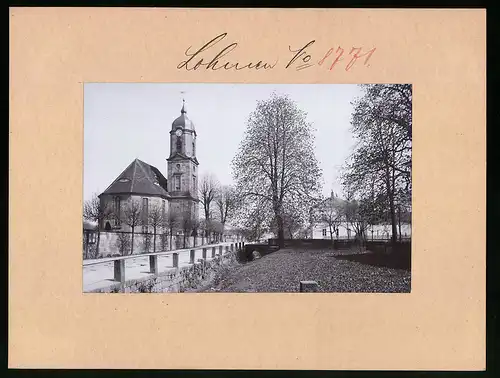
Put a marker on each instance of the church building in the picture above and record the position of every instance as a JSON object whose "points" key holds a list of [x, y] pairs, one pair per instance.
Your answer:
{"points": [[142, 187]]}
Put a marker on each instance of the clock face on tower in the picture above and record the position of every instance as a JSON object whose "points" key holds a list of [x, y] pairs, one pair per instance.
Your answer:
{"points": [[178, 132]]}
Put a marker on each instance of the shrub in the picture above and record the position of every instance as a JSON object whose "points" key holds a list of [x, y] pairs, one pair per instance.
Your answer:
{"points": [[147, 287]]}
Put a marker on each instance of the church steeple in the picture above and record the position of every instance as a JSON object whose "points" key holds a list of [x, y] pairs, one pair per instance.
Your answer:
{"points": [[182, 166]]}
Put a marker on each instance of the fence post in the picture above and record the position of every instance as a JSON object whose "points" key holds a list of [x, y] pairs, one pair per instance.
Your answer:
{"points": [[175, 260], [204, 254], [153, 264], [308, 286], [120, 270], [191, 256], [220, 250], [213, 252]]}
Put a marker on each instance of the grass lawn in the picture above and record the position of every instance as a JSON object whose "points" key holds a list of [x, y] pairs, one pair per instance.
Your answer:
{"points": [[335, 271]]}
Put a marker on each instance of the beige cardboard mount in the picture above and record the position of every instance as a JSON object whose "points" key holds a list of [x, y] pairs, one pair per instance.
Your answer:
{"points": [[440, 325]]}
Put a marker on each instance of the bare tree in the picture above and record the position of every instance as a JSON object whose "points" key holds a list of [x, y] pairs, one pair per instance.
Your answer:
{"points": [[227, 202], [382, 124], [146, 242], [214, 228], [156, 221], [95, 210], [195, 226], [357, 218], [172, 223], [186, 224], [123, 243], [208, 191], [276, 161], [132, 217], [331, 213]]}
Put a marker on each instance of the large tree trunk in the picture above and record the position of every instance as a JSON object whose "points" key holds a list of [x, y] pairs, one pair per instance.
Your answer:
{"points": [[392, 208], [281, 231], [170, 239]]}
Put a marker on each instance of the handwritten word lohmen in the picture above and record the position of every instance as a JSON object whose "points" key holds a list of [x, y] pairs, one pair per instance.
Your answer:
{"points": [[213, 55], [196, 59]]}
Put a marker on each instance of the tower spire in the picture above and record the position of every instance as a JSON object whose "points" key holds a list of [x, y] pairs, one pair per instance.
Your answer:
{"points": [[183, 110]]}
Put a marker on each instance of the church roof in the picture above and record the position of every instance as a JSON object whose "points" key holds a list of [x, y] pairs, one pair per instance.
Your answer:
{"points": [[139, 178], [183, 120]]}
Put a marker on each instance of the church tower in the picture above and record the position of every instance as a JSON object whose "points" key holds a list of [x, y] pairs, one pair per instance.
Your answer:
{"points": [[182, 167]]}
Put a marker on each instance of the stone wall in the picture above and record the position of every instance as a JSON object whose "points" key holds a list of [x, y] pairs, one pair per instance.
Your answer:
{"points": [[109, 244], [176, 280]]}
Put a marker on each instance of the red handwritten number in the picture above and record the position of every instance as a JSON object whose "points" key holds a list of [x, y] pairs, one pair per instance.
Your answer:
{"points": [[338, 58], [326, 56], [356, 56]]}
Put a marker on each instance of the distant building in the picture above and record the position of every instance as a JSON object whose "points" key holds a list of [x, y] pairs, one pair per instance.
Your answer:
{"points": [[343, 230], [145, 185]]}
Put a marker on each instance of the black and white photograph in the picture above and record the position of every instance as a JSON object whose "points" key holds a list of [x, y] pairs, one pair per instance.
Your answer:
{"points": [[247, 188]]}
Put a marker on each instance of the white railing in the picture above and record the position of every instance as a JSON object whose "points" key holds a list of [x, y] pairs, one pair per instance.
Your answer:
{"points": [[119, 262]]}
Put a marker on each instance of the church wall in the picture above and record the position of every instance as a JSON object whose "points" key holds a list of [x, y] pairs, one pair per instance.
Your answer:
{"points": [[109, 244], [125, 201]]}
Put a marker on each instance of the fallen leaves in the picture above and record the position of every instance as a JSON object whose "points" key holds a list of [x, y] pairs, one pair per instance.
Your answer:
{"points": [[282, 271]]}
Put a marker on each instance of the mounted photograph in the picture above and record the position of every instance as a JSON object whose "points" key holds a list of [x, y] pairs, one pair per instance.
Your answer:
{"points": [[247, 188]]}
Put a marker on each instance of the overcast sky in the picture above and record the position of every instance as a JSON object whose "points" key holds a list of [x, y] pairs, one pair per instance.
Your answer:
{"points": [[127, 121]]}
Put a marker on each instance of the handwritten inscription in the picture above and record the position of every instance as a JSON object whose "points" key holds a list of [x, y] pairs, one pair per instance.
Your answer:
{"points": [[196, 59], [303, 57], [354, 55], [214, 55]]}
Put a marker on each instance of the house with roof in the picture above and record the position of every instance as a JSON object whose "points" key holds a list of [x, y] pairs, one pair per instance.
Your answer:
{"points": [[330, 223], [141, 183]]}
